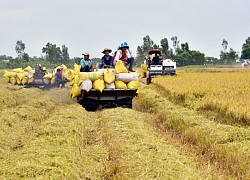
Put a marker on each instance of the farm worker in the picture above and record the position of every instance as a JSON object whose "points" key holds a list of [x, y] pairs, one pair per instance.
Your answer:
{"points": [[113, 58], [58, 78], [124, 55], [156, 60], [86, 63], [61, 69], [106, 59]]}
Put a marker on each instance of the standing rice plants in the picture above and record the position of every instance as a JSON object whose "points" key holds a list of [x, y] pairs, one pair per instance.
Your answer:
{"points": [[224, 93], [222, 147]]}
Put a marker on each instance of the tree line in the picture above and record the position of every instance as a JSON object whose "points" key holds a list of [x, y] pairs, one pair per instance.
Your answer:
{"points": [[183, 55], [54, 55]]}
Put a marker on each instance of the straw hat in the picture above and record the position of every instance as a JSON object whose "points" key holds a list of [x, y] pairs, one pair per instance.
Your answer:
{"points": [[107, 49], [86, 54]]}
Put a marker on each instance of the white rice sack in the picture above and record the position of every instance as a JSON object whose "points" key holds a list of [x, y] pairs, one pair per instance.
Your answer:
{"points": [[30, 74], [110, 86], [126, 77], [46, 81], [86, 85], [64, 74]]}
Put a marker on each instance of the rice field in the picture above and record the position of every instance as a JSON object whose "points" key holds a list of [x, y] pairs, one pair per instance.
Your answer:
{"points": [[222, 91], [169, 134]]}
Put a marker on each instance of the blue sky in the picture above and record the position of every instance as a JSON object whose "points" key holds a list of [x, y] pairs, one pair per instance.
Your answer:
{"points": [[93, 25]]}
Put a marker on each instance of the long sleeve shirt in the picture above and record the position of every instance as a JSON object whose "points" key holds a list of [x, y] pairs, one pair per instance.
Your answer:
{"points": [[106, 61], [119, 55], [58, 76], [85, 62]]}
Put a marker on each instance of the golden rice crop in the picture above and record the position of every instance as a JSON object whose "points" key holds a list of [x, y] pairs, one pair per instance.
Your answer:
{"points": [[222, 147], [223, 92]]}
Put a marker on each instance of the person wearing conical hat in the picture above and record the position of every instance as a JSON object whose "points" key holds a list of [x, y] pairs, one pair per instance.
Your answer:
{"points": [[124, 55], [106, 59]]}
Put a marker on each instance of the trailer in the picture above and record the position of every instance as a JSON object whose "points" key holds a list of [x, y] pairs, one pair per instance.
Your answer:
{"points": [[108, 98]]}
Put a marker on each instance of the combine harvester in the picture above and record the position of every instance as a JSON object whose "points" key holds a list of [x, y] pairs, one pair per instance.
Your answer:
{"points": [[157, 67]]}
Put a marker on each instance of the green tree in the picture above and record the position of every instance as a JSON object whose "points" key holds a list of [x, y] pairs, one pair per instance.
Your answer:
{"points": [[140, 56], [64, 54], [52, 52], [224, 44], [165, 48], [245, 53], [155, 46], [20, 46], [247, 43], [223, 53], [198, 58], [26, 57], [175, 43], [184, 58], [186, 46], [147, 44], [182, 47], [232, 55]]}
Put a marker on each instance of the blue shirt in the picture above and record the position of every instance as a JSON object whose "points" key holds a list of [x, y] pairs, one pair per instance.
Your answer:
{"points": [[106, 61], [85, 62], [58, 76]]}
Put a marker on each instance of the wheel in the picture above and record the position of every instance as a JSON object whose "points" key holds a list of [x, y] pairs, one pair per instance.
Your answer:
{"points": [[125, 103], [89, 104]]}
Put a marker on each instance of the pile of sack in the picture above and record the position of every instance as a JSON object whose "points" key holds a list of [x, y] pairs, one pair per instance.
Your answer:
{"points": [[19, 76], [25, 76], [118, 78]]}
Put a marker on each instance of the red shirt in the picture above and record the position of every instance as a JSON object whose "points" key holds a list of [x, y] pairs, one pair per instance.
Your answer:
{"points": [[124, 55]]}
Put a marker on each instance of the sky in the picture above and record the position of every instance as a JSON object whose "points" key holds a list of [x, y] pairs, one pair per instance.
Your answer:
{"points": [[92, 25]]}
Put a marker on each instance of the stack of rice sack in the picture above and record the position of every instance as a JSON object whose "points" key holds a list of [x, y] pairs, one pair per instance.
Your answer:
{"points": [[85, 81], [19, 76], [125, 80], [100, 80], [144, 69], [26, 76]]}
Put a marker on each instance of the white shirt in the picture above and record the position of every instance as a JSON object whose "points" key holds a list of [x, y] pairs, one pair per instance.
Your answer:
{"points": [[119, 55]]}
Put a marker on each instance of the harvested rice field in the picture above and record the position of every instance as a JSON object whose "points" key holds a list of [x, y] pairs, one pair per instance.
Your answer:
{"points": [[170, 133]]}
